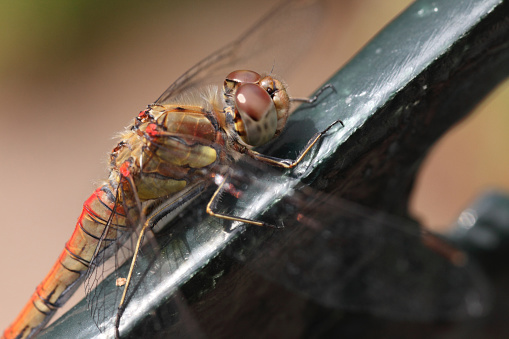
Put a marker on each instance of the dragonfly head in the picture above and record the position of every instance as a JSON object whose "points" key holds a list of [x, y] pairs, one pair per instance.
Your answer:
{"points": [[260, 105]]}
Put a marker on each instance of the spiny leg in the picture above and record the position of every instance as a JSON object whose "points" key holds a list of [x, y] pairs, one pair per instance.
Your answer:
{"points": [[129, 194], [211, 206], [289, 163], [285, 163], [121, 305], [317, 95]]}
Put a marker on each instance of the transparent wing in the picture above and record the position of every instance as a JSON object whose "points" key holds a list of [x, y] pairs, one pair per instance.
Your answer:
{"points": [[345, 256], [274, 42], [333, 252], [113, 249]]}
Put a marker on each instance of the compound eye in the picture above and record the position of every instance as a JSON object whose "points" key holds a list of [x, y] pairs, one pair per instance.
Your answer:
{"points": [[257, 123], [253, 101], [243, 76]]}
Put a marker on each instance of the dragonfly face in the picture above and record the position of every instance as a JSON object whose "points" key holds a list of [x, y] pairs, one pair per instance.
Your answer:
{"points": [[259, 106]]}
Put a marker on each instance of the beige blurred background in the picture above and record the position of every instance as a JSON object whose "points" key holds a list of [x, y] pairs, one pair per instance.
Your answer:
{"points": [[72, 74]]}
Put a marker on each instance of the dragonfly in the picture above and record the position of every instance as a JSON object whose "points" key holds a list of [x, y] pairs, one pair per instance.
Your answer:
{"points": [[190, 133], [190, 137]]}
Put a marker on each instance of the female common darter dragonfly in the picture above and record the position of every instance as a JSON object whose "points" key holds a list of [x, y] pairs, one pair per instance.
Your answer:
{"points": [[189, 135]]}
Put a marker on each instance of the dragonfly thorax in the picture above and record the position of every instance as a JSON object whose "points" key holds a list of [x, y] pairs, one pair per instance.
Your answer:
{"points": [[259, 105]]}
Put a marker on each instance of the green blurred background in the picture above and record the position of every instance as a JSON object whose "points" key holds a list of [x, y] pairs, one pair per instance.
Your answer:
{"points": [[74, 73]]}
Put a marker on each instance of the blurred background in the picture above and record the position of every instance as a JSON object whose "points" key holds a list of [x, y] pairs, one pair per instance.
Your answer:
{"points": [[72, 74]]}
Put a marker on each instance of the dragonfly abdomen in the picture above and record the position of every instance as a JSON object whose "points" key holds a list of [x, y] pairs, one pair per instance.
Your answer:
{"points": [[73, 262]]}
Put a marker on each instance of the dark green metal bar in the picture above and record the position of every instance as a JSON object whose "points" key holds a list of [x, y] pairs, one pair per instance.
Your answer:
{"points": [[419, 76]]}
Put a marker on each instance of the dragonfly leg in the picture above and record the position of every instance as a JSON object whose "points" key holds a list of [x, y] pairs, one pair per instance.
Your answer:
{"points": [[133, 207], [289, 163], [122, 304], [313, 99], [211, 206]]}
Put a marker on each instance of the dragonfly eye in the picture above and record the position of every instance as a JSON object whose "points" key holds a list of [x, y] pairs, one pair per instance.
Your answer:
{"points": [[243, 76], [258, 116], [236, 78], [253, 101]]}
